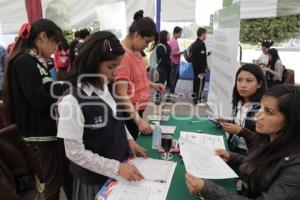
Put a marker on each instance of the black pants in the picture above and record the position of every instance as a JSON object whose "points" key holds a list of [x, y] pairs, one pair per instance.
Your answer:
{"points": [[56, 168], [174, 77], [196, 85], [131, 126], [164, 76], [271, 83]]}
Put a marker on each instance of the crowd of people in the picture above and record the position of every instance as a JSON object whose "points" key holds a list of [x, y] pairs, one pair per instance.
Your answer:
{"points": [[74, 135]]}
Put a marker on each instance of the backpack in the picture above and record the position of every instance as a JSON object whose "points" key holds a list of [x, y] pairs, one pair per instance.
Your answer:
{"points": [[187, 53], [153, 62]]}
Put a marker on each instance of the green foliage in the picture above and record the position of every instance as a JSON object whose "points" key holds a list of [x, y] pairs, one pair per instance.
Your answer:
{"points": [[279, 29], [69, 35]]}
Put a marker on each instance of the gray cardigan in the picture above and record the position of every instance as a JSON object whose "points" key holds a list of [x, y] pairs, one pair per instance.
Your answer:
{"points": [[282, 182]]}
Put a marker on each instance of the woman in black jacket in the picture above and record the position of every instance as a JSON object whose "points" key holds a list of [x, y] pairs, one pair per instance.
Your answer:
{"points": [[272, 168], [163, 52], [29, 98]]}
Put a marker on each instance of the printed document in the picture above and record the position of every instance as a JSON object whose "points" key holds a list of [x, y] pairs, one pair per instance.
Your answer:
{"points": [[202, 162], [211, 141], [158, 176]]}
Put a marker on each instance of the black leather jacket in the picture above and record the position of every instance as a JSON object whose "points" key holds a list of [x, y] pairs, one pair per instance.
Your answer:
{"points": [[282, 182]]}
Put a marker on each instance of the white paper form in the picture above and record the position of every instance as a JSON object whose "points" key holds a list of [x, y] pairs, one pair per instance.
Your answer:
{"points": [[211, 141], [166, 129], [146, 189], [202, 162], [158, 117]]}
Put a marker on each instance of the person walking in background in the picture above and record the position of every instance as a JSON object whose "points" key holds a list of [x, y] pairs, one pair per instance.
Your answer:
{"points": [[175, 58], [163, 52], [199, 63], [72, 46], [77, 43]]}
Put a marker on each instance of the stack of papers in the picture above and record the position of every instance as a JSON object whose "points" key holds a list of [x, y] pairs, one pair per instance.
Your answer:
{"points": [[202, 162], [166, 129], [210, 141], [158, 175], [158, 117]]}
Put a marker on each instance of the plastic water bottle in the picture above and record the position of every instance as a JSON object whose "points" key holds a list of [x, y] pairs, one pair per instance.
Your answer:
{"points": [[156, 136]]}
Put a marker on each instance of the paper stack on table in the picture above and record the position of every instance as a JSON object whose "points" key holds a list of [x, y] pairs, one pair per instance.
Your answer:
{"points": [[202, 162], [166, 129], [158, 117], [158, 175], [211, 141]]}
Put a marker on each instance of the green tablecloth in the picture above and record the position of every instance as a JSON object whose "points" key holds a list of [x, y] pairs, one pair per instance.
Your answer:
{"points": [[178, 189]]}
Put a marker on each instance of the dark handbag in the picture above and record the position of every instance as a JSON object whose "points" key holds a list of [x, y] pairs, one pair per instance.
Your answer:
{"points": [[19, 159], [24, 183]]}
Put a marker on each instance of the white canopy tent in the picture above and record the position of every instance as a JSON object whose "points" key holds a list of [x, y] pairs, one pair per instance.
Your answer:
{"points": [[78, 13], [251, 9]]}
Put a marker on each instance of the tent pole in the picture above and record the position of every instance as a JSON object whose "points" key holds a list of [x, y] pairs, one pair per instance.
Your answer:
{"points": [[34, 10], [158, 14]]}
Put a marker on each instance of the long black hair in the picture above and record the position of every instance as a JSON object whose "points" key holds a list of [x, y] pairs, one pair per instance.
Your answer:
{"points": [[29, 33], [266, 153], [163, 39], [275, 57], [256, 71], [144, 26], [101, 46], [25, 40]]}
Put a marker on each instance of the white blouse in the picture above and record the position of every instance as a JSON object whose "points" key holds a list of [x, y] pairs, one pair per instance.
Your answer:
{"points": [[71, 127]]}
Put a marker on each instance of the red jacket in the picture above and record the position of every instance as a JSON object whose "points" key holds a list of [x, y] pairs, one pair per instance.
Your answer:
{"points": [[62, 59]]}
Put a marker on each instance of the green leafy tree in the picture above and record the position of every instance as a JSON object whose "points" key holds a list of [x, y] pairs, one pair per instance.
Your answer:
{"points": [[279, 29]]}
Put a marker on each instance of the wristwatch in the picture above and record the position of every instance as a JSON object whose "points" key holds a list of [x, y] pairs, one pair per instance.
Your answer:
{"points": [[199, 196]]}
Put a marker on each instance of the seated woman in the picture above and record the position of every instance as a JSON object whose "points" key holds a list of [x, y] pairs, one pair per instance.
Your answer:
{"points": [[275, 68], [272, 168], [249, 87], [96, 141], [263, 59]]}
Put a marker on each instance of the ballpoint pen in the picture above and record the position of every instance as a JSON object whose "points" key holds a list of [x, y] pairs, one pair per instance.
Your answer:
{"points": [[156, 180]]}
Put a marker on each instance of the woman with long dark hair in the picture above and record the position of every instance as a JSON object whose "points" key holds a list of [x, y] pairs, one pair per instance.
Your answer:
{"points": [[28, 98], [96, 140], [272, 169], [250, 85], [275, 68], [164, 69], [263, 60]]}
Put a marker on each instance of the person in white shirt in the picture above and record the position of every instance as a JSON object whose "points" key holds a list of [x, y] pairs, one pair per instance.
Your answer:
{"points": [[275, 69], [96, 141], [263, 60]]}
